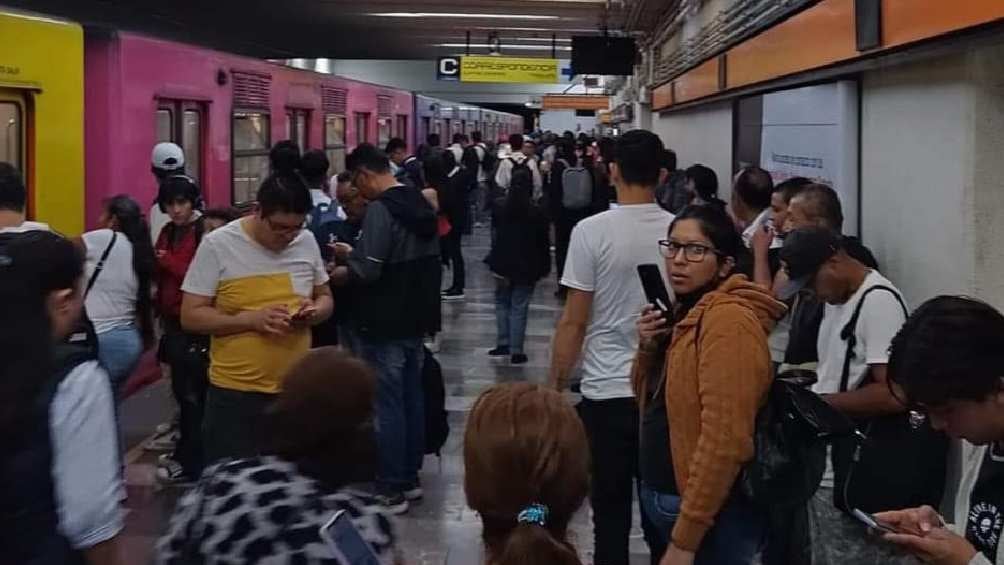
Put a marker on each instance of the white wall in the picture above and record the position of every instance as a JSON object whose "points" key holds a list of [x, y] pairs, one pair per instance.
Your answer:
{"points": [[932, 176], [701, 135], [562, 120]]}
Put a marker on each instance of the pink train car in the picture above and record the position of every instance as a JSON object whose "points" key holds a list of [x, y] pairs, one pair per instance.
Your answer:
{"points": [[225, 110]]}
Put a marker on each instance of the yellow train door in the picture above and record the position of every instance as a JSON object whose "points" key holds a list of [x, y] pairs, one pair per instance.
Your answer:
{"points": [[14, 130]]}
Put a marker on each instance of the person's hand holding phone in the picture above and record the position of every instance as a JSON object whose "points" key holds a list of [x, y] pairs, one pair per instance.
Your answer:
{"points": [[763, 237], [270, 320], [917, 521], [652, 327], [305, 315], [341, 250]]}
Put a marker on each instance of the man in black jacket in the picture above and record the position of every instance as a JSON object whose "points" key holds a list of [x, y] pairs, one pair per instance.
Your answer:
{"points": [[394, 269]]}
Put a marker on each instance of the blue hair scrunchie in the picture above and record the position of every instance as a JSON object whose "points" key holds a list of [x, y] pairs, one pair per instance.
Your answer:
{"points": [[533, 514]]}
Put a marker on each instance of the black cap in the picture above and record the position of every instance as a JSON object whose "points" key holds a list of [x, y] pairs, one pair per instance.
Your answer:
{"points": [[804, 252]]}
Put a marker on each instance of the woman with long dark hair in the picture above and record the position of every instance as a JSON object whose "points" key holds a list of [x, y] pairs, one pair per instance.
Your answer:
{"points": [[526, 473], [119, 268], [520, 256], [59, 475], [700, 387]]}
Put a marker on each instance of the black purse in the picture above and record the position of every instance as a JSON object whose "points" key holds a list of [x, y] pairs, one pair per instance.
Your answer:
{"points": [[894, 463], [789, 454], [83, 333]]}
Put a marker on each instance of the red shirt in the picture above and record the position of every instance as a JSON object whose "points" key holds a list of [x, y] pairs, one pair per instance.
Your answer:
{"points": [[175, 250]]}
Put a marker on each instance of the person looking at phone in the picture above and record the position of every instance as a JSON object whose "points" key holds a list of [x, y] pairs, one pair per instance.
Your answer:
{"points": [[255, 286], [699, 389], [947, 363], [273, 508], [597, 325]]}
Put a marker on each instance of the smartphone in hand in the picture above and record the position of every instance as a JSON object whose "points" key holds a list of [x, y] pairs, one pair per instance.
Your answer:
{"points": [[655, 288], [345, 541], [870, 521]]}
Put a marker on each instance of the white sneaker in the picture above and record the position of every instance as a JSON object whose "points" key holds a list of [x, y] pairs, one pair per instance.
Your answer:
{"points": [[432, 344], [414, 494], [164, 442], [173, 474]]}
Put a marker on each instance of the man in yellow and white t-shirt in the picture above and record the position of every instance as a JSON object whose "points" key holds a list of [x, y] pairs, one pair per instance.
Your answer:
{"points": [[255, 285]]}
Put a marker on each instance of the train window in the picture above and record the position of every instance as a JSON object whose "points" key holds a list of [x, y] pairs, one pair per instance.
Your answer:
{"points": [[250, 148], [383, 131], [298, 120], [11, 131], [362, 128], [165, 125], [334, 141], [401, 127], [191, 136]]}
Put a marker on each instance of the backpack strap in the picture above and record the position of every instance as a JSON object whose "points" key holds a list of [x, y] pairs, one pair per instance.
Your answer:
{"points": [[101, 264], [848, 332]]}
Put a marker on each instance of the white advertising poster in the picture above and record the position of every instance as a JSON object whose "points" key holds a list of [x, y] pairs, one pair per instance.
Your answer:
{"points": [[813, 132]]}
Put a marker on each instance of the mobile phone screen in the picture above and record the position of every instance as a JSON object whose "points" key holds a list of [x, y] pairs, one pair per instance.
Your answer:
{"points": [[345, 541], [655, 288]]}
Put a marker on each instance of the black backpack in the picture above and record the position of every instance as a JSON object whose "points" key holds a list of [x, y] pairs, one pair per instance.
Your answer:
{"points": [[895, 462], [437, 425]]}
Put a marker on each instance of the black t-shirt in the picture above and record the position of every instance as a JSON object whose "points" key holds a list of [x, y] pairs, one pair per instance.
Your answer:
{"points": [[655, 463], [986, 504]]}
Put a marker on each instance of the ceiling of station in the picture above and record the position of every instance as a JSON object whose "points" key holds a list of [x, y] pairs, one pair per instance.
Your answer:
{"points": [[362, 29]]}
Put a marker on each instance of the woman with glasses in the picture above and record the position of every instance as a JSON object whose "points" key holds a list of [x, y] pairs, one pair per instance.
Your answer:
{"points": [[701, 376]]}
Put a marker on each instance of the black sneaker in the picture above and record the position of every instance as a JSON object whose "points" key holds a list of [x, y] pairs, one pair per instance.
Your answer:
{"points": [[518, 359], [453, 294], [396, 504], [499, 352]]}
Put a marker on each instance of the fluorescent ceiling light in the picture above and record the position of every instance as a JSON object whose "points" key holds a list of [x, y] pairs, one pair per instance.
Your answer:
{"points": [[547, 29], [463, 15], [525, 47]]}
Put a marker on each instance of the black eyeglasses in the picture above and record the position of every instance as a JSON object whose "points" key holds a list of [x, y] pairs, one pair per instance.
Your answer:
{"points": [[693, 252]]}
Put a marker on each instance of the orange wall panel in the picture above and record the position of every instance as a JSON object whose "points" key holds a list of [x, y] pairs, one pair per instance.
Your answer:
{"points": [[662, 96], [817, 37], [905, 21], [698, 82], [575, 102]]}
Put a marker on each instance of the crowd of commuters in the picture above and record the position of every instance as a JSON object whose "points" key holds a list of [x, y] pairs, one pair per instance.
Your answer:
{"points": [[298, 450]]}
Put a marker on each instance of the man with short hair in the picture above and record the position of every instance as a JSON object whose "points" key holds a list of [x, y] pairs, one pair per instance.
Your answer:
{"points": [[13, 200], [863, 312], [394, 273], [598, 328], [751, 192], [256, 286], [406, 168], [519, 157]]}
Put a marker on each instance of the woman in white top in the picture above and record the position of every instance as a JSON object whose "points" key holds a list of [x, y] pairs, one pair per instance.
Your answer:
{"points": [[118, 301]]}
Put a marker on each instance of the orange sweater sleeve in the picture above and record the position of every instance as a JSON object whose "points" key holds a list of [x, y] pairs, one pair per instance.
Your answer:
{"points": [[733, 377]]}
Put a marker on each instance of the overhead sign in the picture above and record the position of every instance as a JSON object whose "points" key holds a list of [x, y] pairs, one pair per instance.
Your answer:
{"points": [[448, 68], [575, 102], [526, 70]]}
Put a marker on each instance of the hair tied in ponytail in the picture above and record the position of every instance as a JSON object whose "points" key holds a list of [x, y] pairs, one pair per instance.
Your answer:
{"points": [[533, 514]]}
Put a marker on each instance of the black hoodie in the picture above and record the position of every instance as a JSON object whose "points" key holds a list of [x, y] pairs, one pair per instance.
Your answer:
{"points": [[395, 266]]}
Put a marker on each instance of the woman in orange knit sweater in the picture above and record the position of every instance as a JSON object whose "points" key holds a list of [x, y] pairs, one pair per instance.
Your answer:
{"points": [[700, 395]]}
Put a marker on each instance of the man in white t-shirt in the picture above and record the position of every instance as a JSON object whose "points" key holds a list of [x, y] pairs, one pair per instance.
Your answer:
{"points": [[817, 258], [13, 199], [598, 328]]}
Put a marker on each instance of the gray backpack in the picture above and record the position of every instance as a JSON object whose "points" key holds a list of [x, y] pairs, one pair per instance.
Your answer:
{"points": [[576, 187]]}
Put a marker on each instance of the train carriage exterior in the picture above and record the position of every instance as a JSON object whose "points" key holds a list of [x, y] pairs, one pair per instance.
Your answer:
{"points": [[224, 110], [42, 114], [445, 117]]}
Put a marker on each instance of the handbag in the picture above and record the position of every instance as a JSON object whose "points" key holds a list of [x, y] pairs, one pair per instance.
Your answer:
{"points": [[83, 333], [789, 443], [893, 463]]}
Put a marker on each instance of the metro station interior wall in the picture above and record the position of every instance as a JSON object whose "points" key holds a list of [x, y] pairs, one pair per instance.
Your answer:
{"points": [[700, 135], [559, 121], [931, 174]]}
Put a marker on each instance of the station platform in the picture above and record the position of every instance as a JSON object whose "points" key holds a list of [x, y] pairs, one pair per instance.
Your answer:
{"points": [[441, 530]]}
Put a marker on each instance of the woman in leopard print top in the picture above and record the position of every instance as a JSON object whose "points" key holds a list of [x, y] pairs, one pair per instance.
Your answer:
{"points": [[270, 509]]}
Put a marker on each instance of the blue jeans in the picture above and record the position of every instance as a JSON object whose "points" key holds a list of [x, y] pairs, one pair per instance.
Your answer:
{"points": [[512, 302], [119, 350], [400, 410], [735, 538]]}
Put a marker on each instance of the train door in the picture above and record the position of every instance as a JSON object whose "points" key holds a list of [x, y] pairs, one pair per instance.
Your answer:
{"points": [[14, 136], [181, 122], [334, 141], [251, 132], [426, 129], [299, 121]]}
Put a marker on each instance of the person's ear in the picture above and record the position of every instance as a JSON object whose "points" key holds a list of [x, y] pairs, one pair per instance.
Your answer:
{"points": [[61, 301], [615, 174], [256, 210], [725, 267]]}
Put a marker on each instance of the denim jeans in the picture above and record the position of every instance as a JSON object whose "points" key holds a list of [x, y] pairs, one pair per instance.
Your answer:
{"points": [[119, 350], [512, 302], [400, 410], [736, 537]]}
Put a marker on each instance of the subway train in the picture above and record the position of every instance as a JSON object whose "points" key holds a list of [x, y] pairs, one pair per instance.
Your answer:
{"points": [[81, 110]]}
